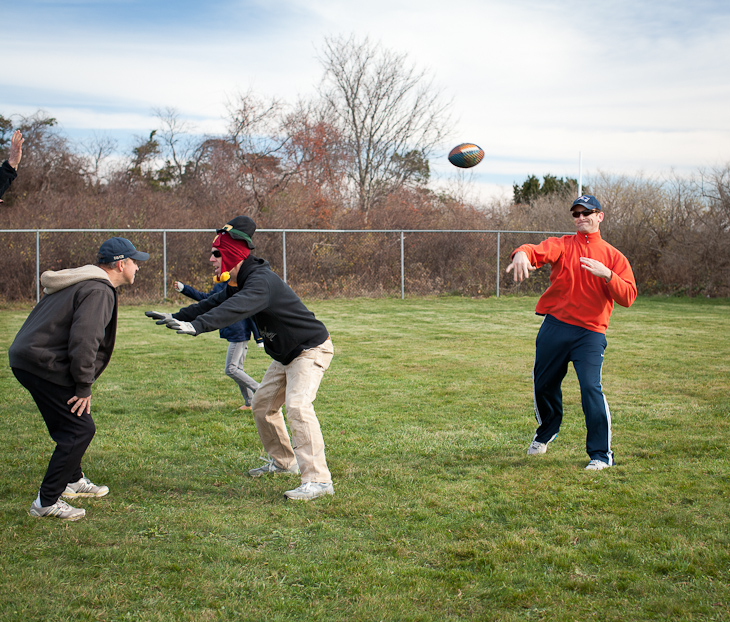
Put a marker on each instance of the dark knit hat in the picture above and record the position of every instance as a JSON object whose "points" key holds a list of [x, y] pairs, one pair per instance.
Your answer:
{"points": [[240, 228]]}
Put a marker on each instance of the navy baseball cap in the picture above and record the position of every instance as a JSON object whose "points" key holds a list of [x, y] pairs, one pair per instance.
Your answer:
{"points": [[588, 201], [115, 249]]}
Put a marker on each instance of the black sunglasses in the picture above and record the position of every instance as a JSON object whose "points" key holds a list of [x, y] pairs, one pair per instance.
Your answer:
{"points": [[215, 253], [583, 213]]}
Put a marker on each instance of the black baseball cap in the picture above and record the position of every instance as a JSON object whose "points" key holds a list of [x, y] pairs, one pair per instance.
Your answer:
{"points": [[115, 249], [240, 228], [588, 201]]}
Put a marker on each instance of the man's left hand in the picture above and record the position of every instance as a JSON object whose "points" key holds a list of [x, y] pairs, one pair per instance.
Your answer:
{"points": [[596, 268], [182, 328]]}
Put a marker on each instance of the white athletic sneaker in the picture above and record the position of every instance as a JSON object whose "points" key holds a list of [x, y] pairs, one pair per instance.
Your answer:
{"points": [[270, 466], [84, 488], [60, 509], [536, 448], [597, 465], [310, 490]]}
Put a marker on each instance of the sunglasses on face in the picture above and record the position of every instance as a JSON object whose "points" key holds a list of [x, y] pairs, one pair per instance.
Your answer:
{"points": [[583, 213], [215, 253]]}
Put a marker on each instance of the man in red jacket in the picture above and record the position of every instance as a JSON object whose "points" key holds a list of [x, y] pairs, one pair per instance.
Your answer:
{"points": [[587, 275]]}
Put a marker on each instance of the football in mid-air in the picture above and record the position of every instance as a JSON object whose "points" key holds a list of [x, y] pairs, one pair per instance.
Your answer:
{"points": [[466, 155]]}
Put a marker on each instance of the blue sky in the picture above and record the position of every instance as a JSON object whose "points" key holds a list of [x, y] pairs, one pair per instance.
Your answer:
{"points": [[635, 87]]}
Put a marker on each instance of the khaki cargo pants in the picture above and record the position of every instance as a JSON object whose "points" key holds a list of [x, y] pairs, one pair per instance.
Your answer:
{"points": [[294, 385]]}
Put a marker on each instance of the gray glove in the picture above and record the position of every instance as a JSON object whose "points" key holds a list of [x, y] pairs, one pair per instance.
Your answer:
{"points": [[161, 317], [182, 328]]}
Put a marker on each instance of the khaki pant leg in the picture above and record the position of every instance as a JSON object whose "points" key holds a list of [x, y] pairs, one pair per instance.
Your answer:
{"points": [[270, 424], [303, 377]]}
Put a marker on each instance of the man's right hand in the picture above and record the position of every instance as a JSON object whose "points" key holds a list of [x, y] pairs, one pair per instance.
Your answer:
{"points": [[80, 406], [161, 317], [16, 149], [521, 265]]}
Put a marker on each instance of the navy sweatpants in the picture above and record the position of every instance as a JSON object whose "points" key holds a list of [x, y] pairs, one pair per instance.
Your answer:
{"points": [[557, 345], [72, 433]]}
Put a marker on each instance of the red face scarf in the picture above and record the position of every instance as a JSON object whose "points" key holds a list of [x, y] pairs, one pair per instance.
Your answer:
{"points": [[232, 251]]}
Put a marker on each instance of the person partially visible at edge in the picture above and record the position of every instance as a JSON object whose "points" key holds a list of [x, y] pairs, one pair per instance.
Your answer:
{"points": [[60, 351], [297, 341], [587, 276], [8, 170], [237, 335]]}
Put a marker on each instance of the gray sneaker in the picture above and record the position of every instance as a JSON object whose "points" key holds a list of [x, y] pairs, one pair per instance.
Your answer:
{"points": [[271, 467], [60, 509], [536, 448], [84, 488], [310, 490], [597, 465]]}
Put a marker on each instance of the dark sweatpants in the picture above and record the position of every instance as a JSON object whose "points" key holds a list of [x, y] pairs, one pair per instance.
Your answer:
{"points": [[72, 434], [557, 345]]}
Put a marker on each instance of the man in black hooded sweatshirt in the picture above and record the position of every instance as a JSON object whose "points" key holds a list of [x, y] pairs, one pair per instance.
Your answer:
{"points": [[298, 342]]}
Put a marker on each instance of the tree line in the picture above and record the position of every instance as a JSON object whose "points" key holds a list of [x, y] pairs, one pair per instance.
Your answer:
{"points": [[356, 156]]}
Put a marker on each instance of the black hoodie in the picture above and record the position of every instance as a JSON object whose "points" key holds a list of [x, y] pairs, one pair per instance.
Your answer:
{"points": [[287, 326], [69, 336]]}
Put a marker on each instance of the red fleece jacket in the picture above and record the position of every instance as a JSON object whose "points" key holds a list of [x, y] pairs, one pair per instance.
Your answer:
{"points": [[575, 296]]}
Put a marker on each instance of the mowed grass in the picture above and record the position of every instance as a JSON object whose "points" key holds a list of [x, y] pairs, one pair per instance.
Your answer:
{"points": [[438, 512]]}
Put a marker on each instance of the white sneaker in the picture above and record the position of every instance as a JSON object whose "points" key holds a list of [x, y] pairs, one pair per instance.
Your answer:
{"points": [[60, 509], [84, 488], [536, 448], [271, 467], [597, 465], [310, 490]]}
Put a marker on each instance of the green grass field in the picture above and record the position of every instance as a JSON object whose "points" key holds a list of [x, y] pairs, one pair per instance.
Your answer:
{"points": [[438, 512]]}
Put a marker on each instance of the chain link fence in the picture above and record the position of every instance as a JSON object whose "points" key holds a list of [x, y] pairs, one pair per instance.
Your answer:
{"points": [[316, 263]]}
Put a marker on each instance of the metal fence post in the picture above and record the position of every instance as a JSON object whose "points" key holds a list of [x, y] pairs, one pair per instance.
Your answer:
{"points": [[37, 266], [498, 234], [164, 265], [283, 251], [402, 268]]}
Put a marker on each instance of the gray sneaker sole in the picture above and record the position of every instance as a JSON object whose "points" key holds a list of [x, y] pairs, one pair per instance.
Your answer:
{"points": [[70, 519], [309, 496]]}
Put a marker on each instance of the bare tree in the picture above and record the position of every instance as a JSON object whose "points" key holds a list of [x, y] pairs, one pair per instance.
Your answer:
{"points": [[258, 140], [316, 148], [179, 148], [49, 163], [95, 151], [715, 189], [390, 114]]}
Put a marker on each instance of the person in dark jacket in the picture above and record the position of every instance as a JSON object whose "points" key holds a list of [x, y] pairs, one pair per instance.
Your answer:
{"points": [[8, 169], [297, 341], [62, 348], [237, 335]]}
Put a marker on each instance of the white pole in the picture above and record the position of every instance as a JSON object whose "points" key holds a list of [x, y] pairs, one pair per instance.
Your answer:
{"points": [[580, 173]]}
